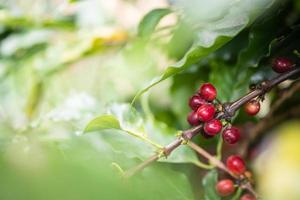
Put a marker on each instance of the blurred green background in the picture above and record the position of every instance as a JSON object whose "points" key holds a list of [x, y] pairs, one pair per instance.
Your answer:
{"points": [[65, 62]]}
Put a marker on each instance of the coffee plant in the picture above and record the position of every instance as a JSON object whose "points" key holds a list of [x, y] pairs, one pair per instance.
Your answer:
{"points": [[193, 101]]}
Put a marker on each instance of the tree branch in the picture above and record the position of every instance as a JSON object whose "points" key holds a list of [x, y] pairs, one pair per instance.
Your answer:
{"points": [[229, 110], [269, 120]]}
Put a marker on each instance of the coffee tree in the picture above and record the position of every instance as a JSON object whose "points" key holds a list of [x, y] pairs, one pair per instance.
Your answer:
{"points": [[243, 62], [182, 105]]}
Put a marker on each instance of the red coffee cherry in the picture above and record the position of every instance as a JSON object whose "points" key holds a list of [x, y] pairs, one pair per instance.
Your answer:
{"points": [[196, 101], [193, 119], [213, 127], [231, 135], [252, 107], [281, 65], [248, 197], [205, 135], [236, 164], [206, 112], [208, 92], [225, 187]]}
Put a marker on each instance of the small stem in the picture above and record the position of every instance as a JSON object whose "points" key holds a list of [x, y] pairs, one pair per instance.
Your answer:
{"points": [[210, 158], [219, 147], [249, 187]]}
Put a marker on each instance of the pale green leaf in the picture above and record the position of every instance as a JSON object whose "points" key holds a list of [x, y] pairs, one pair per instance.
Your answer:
{"points": [[102, 123], [151, 20]]}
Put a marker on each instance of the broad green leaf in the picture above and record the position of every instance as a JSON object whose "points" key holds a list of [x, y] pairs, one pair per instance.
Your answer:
{"points": [[214, 26], [231, 81], [151, 20], [192, 57], [30, 166], [102, 123], [209, 182], [262, 35], [160, 182]]}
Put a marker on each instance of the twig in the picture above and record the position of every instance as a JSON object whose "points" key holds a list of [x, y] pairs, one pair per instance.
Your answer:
{"points": [[140, 167], [221, 166], [229, 110], [210, 158], [266, 122]]}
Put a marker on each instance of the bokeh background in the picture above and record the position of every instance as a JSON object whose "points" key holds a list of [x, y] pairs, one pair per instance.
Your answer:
{"points": [[65, 62]]}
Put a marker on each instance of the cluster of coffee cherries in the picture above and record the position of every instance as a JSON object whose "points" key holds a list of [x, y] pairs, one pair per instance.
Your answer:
{"points": [[226, 187], [203, 105]]}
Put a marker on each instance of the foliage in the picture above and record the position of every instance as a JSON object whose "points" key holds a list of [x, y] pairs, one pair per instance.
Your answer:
{"points": [[67, 80]]}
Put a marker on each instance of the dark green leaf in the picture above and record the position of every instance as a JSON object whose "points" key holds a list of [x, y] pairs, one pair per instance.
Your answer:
{"points": [[231, 81]]}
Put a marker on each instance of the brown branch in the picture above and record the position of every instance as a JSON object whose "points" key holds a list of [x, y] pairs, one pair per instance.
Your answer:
{"points": [[229, 110], [269, 120], [221, 166], [210, 158]]}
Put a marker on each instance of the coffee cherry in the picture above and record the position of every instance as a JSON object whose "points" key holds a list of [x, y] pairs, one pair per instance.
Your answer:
{"points": [[205, 135], [206, 112], [213, 127], [231, 135], [208, 92], [281, 65], [196, 101], [252, 107], [225, 187], [193, 119], [236, 164], [248, 197]]}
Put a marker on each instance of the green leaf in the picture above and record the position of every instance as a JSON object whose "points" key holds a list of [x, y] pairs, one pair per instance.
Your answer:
{"points": [[150, 21], [102, 123], [163, 183], [237, 194], [126, 119], [209, 183], [231, 81], [262, 35], [192, 57], [214, 24]]}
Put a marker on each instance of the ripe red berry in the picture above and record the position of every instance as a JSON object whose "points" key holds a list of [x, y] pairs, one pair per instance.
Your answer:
{"points": [[193, 119], [208, 92], [236, 164], [213, 127], [225, 187], [281, 65], [196, 101], [231, 135], [248, 197], [205, 135], [206, 112], [252, 107]]}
